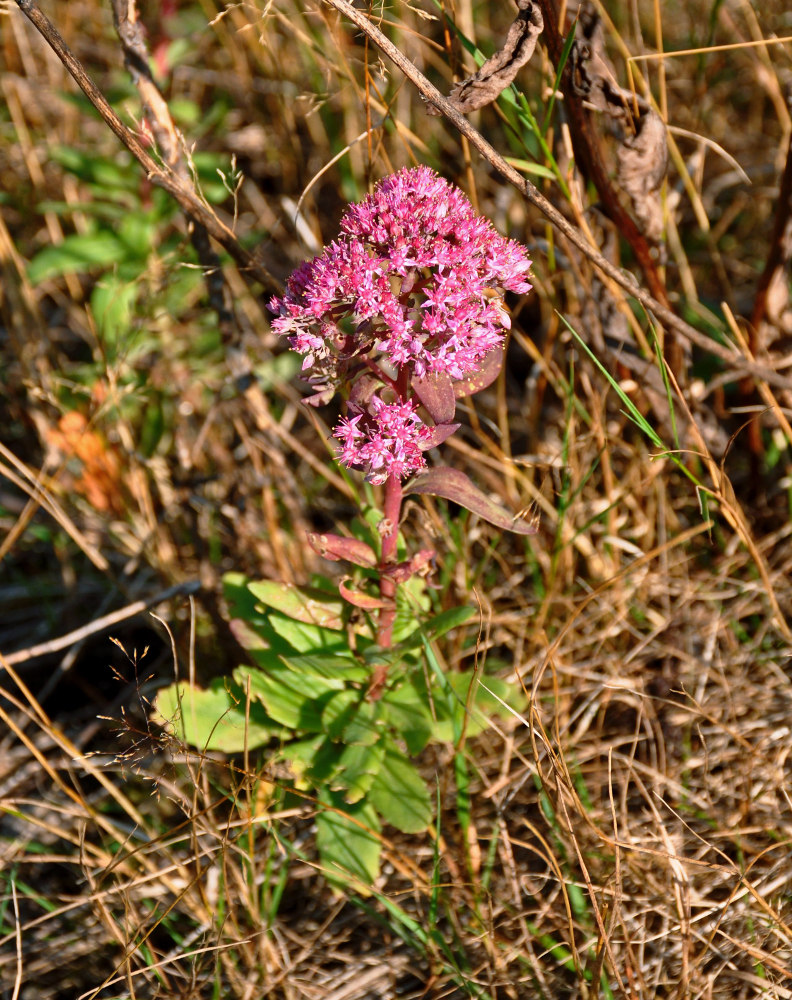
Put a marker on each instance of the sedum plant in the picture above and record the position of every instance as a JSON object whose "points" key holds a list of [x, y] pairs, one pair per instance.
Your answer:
{"points": [[402, 315]]}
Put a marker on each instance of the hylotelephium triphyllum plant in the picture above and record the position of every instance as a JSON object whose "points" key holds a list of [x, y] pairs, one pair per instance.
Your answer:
{"points": [[402, 315]]}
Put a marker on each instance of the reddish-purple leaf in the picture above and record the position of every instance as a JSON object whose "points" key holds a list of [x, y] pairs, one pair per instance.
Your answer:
{"points": [[421, 564], [360, 600], [361, 392], [337, 547], [437, 435], [320, 398], [488, 371], [436, 392], [451, 484]]}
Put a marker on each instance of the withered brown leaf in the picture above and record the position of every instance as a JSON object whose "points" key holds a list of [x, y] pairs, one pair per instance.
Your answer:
{"points": [[484, 86], [642, 156]]}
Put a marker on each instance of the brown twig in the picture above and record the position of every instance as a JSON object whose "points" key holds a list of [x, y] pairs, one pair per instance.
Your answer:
{"points": [[663, 313], [78, 635], [588, 156], [780, 245], [162, 175]]}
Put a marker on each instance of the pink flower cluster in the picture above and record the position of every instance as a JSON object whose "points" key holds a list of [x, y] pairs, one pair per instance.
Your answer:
{"points": [[388, 439], [412, 287]]}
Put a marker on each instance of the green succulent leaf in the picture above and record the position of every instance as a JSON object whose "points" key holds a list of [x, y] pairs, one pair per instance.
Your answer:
{"points": [[77, 254], [451, 709], [348, 838], [412, 604], [400, 794], [313, 761], [408, 713], [242, 603], [111, 306], [305, 637], [305, 604], [438, 627], [358, 766], [349, 718], [215, 718], [344, 668], [294, 700]]}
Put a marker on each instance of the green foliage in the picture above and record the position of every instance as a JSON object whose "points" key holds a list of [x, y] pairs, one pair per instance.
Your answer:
{"points": [[346, 740], [125, 226], [215, 718]]}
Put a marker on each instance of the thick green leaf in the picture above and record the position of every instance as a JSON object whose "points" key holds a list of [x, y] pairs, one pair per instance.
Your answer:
{"points": [[292, 699], [347, 838], [412, 604], [307, 638], [241, 602], [313, 761], [485, 701], [408, 713], [305, 604], [137, 232], [358, 767], [111, 306], [105, 173], [214, 718], [349, 718], [400, 794], [344, 668], [76, 254], [451, 709], [247, 637]]}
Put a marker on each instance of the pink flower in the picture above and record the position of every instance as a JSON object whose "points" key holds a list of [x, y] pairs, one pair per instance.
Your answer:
{"points": [[412, 287], [388, 439]]}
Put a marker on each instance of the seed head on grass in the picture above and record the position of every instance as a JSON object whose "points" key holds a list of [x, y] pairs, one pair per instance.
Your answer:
{"points": [[409, 290]]}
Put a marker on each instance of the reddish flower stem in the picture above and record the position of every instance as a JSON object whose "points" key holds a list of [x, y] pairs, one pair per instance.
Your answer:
{"points": [[392, 513], [390, 536]]}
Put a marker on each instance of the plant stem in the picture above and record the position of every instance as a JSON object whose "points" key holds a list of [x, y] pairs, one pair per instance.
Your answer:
{"points": [[392, 513]]}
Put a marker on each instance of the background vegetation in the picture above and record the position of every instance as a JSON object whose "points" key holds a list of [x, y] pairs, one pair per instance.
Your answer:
{"points": [[629, 834]]}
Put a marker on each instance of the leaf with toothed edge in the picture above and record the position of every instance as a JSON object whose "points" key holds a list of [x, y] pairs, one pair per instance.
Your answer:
{"points": [[451, 484]]}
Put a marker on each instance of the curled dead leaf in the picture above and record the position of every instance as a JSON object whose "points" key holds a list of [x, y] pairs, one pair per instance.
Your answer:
{"points": [[484, 86], [642, 156]]}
